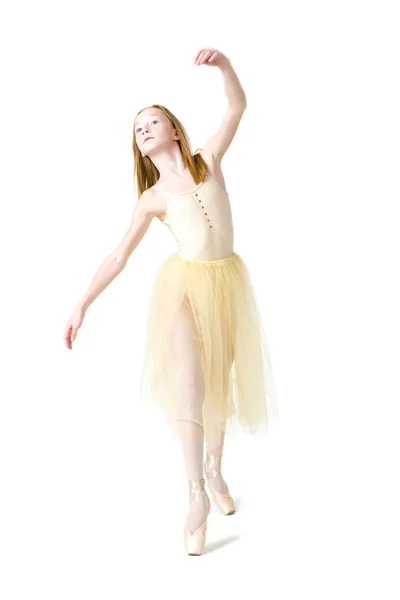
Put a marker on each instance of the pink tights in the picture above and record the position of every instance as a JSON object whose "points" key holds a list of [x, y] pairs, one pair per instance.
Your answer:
{"points": [[187, 360]]}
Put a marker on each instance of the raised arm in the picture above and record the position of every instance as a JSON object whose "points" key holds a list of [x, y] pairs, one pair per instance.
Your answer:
{"points": [[219, 143]]}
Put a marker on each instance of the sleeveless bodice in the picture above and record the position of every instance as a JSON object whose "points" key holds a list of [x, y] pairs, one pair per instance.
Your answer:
{"points": [[201, 221]]}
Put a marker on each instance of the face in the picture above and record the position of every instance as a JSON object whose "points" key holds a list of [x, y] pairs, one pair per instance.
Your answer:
{"points": [[153, 131]]}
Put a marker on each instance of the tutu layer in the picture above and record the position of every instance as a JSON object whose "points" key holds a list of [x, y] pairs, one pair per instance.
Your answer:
{"points": [[206, 357]]}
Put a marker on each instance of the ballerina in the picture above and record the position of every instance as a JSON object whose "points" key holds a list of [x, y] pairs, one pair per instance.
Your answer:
{"points": [[206, 360]]}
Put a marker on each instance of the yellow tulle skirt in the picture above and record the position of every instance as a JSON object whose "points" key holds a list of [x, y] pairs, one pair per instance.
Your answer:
{"points": [[206, 357]]}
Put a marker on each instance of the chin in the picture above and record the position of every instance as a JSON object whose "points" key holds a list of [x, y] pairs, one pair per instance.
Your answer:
{"points": [[151, 151]]}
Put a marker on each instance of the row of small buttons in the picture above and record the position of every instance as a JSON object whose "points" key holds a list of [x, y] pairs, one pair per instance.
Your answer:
{"points": [[203, 207]]}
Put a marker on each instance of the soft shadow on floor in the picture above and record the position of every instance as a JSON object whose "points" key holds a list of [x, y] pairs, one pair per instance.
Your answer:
{"points": [[213, 546]]}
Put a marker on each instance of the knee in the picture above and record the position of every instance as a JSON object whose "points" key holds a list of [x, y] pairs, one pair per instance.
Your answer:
{"points": [[191, 399], [191, 386]]}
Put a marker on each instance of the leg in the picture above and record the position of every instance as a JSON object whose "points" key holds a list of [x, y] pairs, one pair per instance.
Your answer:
{"points": [[215, 447], [212, 468], [213, 463], [191, 389]]}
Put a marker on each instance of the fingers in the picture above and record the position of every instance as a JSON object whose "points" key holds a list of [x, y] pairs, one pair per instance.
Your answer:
{"points": [[66, 336], [199, 57], [207, 55], [69, 336], [204, 54], [196, 56]]}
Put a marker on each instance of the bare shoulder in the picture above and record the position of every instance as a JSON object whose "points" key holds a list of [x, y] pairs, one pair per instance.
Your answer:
{"points": [[214, 167], [153, 202]]}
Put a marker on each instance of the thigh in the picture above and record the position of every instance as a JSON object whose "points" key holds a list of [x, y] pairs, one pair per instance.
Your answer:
{"points": [[186, 355], [185, 345]]}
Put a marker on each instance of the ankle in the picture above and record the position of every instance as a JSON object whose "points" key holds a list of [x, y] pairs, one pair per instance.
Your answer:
{"points": [[214, 454], [196, 488], [212, 468], [213, 463]]}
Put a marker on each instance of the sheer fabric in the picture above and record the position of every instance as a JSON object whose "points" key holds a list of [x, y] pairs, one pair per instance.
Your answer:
{"points": [[206, 357]]}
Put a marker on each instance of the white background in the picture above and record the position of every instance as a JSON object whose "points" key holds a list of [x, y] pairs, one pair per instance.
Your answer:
{"points": [[93, 489]]}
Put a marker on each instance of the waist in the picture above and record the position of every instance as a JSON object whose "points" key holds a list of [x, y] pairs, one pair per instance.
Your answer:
{"points": [[205, 247], [207, 261]]}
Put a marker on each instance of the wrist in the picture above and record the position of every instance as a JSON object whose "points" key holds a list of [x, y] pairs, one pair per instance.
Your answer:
{"points": [[226, 65], [83, 306]]}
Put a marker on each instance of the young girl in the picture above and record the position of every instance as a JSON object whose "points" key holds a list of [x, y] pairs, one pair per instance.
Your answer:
{"points": [[206, 360]]}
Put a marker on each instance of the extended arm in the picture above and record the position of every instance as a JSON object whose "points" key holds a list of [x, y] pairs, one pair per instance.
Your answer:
{"points": [[116, 261]]}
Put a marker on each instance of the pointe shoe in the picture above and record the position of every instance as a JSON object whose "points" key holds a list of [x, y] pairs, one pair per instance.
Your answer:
{"points": [[194, 542], [212, 467]]}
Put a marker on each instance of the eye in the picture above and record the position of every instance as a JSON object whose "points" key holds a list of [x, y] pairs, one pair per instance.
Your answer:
{"points": [[139, 128]]}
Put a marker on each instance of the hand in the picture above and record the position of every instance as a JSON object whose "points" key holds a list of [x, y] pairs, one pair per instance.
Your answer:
{"points": [[211, 57], [72, 327]]}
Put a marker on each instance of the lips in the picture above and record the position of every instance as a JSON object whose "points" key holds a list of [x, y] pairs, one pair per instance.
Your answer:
{"points": [[148, 138]]}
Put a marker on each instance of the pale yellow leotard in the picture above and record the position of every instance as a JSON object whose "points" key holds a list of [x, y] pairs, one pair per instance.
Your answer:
{"points": [[201, 221]]}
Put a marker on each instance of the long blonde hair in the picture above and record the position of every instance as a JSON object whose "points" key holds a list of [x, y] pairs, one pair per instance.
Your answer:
{"points": [[146, 173]]}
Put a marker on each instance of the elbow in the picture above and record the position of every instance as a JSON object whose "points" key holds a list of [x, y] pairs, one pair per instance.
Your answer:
{"points": [[239, 106], [119, 260]]}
